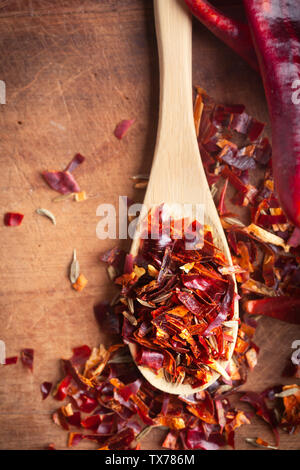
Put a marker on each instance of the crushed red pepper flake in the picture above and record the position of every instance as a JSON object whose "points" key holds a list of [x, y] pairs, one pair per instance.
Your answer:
{"points": [[27, 356], [123, 127], [63, 181], [80, 283], [13, 219], [45, 389], [11, 360]]}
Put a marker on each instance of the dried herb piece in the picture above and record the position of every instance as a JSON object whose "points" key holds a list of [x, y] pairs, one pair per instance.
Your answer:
{"points": [[140, 177], [74, 268], [13, 219], [64, 197], [47, 213], [258, 442], [27, 355]]}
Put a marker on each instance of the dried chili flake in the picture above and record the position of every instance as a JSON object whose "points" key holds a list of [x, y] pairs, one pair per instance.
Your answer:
{"points": [[108, 320], [45, 389], [62, 388], [61, 181], [79, 197], [27, 355], [291, 402], [123, 127], [13, 219], [80, 355], [78, 159], [294, 239], [51, 446], [282, 308], [80, 283], [11, 360], [258, 401], [291, 370], [74, 439]]}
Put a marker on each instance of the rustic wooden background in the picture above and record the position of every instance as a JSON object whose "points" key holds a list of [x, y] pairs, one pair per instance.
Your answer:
{"points": [[73, 69]]}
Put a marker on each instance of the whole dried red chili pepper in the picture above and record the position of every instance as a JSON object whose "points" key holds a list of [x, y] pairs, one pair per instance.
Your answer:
{"points": [[275, 26], [235, 34]]}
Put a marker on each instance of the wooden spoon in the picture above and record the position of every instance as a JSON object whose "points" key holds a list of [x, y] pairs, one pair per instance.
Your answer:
{"points": [[177, 174]]}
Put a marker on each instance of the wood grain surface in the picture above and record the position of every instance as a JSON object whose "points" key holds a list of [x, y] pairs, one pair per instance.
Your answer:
{"points": [[73, 69]]}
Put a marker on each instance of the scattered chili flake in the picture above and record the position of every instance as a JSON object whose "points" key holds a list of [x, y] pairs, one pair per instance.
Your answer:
{"points": [[291, 370], [63, 181], [62, 388], [13, 219], [51, 446], [283, 308], [291, 402], [141, 185], [80, 283], [79, 197], [27, 355], [11, 360], [123, 127], [76, 160], [259, 403], [118, 399], [46, 389], [107, 319]]}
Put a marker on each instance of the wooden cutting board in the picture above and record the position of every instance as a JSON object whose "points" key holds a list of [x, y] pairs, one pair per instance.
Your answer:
{"points": [[73, 70]]}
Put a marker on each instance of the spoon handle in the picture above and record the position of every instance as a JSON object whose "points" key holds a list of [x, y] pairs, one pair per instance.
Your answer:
{"points": [[174, 36], [177, 171]]}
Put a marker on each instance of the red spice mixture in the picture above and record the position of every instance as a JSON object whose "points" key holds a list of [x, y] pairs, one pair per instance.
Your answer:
{"points": [[177, 304], [108, 400]]}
